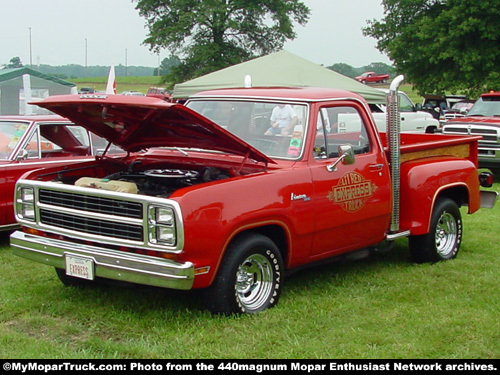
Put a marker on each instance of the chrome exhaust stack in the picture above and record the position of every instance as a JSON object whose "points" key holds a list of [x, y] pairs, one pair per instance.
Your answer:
{"points": [[394, 133]]}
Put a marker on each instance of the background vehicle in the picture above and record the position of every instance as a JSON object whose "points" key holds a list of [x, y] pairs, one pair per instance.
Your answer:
{"points": [[132, 93], [437, 104], [372, 77], [86, 90], [412, 120], [459, 109], [32, 142], [158, 92], [216, 204], [482, 119]]}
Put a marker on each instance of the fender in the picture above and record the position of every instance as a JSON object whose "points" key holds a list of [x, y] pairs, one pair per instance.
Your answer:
{"points": [[424, 180]]}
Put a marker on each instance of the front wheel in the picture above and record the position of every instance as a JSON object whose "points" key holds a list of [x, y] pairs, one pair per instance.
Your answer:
{"points": [[444, 237], [249, 279]]}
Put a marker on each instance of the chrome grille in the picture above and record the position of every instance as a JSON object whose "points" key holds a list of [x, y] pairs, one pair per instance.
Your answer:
{"points": [[92, 225], [90, 203], [489, 135], [115, 221], [450, 129]]}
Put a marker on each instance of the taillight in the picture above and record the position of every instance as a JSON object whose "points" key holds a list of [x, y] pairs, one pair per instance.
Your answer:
{"points": [[486, 179]]}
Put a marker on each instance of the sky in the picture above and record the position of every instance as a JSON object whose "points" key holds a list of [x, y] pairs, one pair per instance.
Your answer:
{"points": [[111, 32]]}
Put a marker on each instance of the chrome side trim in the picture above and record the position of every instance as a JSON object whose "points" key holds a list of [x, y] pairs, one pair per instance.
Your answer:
{"points": [[395, 236]]}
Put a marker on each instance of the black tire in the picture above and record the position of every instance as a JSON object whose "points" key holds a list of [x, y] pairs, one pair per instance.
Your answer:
{"points": [[249, 279], [72, 281], [444, 237]]}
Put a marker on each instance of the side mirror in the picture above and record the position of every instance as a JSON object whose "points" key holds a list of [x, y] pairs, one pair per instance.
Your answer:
{"points": [[418, 107], [346, 156]]}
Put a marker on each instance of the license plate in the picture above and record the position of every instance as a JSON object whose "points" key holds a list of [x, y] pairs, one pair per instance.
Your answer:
{"points": [[79, 267]]}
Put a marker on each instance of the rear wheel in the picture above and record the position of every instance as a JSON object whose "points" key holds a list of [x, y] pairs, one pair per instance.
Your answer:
{"points": [[249, 279], [444, 237]]}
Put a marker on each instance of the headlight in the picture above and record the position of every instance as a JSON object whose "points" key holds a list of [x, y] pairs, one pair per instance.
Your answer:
{"points": [[27, 194], [162, 229], [25, 203], [165, 216], [165, 235]]}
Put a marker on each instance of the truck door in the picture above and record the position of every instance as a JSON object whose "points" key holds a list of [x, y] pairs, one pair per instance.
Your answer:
{"points": [[353, 202]]}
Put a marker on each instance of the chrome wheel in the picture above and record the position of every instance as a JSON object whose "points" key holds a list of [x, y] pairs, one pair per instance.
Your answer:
{"points": [[443, 240], [254, 282], [249, 279], [446, 234]]}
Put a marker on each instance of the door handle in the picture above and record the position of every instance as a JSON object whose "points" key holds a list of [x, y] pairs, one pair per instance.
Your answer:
{"points": [[376, 167]]}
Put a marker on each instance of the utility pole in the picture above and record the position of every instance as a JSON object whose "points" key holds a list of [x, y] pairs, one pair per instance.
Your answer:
{"points": [[31, 53], [85, 70]]}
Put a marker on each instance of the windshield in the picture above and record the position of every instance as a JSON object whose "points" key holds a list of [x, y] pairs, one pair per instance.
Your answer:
{"points": [[274, 128], [488, 106], [10, 134]]}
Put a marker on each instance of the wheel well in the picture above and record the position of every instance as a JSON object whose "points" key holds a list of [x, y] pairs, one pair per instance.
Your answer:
{"points": [[459, 194], [276, 233]]}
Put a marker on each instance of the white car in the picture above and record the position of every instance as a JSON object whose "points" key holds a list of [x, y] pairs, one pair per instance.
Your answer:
{"points": [[412, 120]]}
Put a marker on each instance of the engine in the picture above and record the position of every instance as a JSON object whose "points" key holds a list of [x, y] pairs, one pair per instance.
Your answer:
{"points": [[153, 182]]}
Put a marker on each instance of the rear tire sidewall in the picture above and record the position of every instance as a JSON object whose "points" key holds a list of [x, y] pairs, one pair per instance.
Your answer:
{"points": [[424, 248], [225, 296]]}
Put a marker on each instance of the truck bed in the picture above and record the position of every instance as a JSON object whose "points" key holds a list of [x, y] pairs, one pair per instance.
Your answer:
{"points": [[417, 146]]}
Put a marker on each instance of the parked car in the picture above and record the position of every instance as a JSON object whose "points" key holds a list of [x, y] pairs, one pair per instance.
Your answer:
{"points": [[158, 92], [482, 119], [372, 77], [86, 90], [205, 199], [437, 104], [132, 93], [32, 142], [459, 109], [412, 120]]}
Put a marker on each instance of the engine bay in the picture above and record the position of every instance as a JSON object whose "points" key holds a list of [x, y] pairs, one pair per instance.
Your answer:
{"points": [[153, 182]]}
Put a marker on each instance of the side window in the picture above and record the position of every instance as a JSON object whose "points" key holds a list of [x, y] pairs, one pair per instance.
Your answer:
{"points": [[32, 146], [338, 126], [405, 105], [58, 140]]}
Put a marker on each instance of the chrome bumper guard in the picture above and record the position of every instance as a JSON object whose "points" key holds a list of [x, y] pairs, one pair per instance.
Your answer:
{"points": [[109, 264]]}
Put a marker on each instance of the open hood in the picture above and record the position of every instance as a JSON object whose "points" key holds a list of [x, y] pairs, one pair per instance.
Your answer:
{"points": [[137, 123]]}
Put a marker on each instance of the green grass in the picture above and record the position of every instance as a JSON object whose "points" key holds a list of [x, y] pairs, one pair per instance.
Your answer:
{"points": [[379, 307]]}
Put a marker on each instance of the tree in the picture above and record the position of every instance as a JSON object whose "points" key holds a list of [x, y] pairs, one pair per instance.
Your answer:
{"points": [[344, 69], [379, 67], [15, 62], [166, 65], [442, 45], [212, 34]]}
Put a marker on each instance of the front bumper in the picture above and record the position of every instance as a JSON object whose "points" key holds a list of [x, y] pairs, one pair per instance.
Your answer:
{"points": [[109, 264]]}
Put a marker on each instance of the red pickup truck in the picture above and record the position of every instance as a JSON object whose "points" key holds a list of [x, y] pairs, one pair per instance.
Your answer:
{"points": [[483, 119], [372, 77], [206, 199]]}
